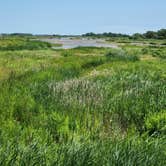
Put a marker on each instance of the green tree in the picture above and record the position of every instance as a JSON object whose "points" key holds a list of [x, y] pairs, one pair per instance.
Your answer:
{"points": [[161, 34], [150, 34], [137, 36]]}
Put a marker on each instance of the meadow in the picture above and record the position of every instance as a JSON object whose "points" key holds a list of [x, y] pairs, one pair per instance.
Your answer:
{"points": [[83, 106]]}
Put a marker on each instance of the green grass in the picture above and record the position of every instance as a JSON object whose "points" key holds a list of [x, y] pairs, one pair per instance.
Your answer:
{"points": [[121, 55], [10, 44], [84, 106]]}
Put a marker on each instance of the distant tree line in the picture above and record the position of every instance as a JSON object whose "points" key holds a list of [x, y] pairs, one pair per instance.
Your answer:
{"points": [[161, 34], [16, 34], [109, 34]]}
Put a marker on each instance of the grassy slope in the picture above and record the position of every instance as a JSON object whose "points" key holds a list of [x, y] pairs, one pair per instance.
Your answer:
{"points": [[79, 107]]}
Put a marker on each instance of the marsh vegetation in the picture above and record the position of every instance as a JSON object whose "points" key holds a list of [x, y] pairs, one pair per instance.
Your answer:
{"points": [[83, 106]]}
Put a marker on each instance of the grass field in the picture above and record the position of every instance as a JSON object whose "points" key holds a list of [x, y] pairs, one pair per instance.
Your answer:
{"points": [[83, 106]]}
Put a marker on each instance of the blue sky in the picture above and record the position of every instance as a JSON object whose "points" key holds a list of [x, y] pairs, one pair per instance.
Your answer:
{"points": [[81, 16]]}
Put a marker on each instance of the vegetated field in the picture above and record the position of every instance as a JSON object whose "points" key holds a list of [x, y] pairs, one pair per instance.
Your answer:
{"points": [[83, 106]]}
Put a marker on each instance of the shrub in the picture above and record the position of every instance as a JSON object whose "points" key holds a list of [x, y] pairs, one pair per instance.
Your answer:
{"points": [[120, 55], [160, 53]]}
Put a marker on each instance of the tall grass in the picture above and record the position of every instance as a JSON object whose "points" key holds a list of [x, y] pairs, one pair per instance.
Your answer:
{"points": [[121, 55], [125, 152], [53, 112], [10, 44]]}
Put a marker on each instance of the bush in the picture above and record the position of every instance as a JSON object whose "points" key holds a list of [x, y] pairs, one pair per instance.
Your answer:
{"points": [[121, 55], [160, 53]]}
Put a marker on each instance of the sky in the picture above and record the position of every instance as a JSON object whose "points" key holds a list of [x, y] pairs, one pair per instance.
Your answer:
{"points": [[81, 16]]}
